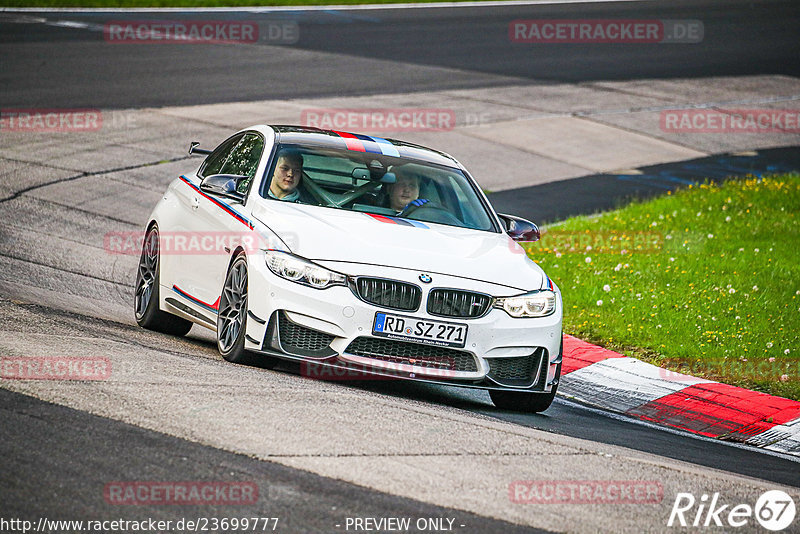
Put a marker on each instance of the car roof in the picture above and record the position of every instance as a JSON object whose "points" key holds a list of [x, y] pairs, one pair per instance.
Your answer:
{"points": [[304, 135]]}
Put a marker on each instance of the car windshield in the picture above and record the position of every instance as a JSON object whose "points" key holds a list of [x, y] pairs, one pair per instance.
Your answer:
{"points": [[376, 184]]}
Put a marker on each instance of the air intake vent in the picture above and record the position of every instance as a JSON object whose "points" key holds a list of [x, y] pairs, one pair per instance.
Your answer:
{"points": [[520, 371], [389, 293], [457, 303], [389, 350]]}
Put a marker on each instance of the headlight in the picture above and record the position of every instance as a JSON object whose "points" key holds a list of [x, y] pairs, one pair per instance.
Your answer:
{"points": [[302, 271], [534, 304]]}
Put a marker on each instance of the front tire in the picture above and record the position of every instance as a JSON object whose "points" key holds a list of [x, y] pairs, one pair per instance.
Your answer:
{"points": [[232, 317], [146, 297], [524, 401]]}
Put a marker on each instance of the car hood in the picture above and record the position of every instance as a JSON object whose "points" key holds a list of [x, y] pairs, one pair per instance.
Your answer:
{"points": [[328, 234]]}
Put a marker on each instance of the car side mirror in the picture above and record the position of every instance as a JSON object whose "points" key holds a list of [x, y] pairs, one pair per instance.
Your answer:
{"points": [[520, 229], [224, 185]]}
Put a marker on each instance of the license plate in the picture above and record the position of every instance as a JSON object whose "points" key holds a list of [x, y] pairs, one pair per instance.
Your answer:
{"points": [[439, 333]]}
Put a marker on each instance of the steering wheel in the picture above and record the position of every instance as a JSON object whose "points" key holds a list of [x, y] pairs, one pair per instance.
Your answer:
{"points": [[430, 211]]}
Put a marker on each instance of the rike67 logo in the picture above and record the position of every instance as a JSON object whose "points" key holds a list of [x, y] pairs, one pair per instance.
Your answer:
{"points": [[774, 510]]}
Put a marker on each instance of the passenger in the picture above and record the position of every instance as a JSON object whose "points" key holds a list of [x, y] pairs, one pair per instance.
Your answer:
{"points": [[287, 179]]}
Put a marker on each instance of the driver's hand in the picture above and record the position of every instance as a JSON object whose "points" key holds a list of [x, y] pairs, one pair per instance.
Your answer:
{"points": [[418, 202]]}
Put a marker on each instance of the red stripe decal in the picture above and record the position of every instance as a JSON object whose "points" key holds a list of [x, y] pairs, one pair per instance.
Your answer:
{"points": [[382, 218], [353, 142], [579, 354], [214, 306], [719, 410], [219, 204]]}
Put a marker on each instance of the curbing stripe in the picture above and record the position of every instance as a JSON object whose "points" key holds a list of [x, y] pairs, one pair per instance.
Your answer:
{"points": [[612, 381], [720, 410], [579, 354], [621, 384]]}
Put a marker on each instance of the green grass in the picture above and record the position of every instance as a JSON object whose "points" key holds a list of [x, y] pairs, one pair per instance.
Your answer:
{"points": [[708, 284], [196, 3]]}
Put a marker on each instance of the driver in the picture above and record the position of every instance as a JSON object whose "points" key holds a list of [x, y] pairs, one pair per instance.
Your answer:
{"points": [[403, 191], [287, 179]]}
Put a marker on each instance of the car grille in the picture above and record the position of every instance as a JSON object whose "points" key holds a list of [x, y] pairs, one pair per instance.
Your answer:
{"points": [[294, 337], [401, 352], [457, 303], [519, 371], [389, 293]]}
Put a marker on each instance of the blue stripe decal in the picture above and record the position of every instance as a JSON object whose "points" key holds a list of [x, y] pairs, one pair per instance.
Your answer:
{"points": [[407, 222], [369, 144], [386, 147], [194, 300], [418, 224]]}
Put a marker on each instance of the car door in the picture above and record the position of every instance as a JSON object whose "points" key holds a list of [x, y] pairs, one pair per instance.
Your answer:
{"points": [[222, 223]]}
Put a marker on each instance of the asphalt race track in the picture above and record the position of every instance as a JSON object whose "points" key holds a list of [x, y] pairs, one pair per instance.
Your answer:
{"points": [[320, 452], [380, 51]]}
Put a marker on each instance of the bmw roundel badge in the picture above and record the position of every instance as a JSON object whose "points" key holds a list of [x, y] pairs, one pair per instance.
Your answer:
{"points": [[425, 279]]}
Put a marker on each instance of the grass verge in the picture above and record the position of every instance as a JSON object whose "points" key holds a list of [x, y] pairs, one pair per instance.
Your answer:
{"points": [[705, 281]]}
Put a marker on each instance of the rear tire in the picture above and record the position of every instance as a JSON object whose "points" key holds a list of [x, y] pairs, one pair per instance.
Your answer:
{"points": [[146, 296]]}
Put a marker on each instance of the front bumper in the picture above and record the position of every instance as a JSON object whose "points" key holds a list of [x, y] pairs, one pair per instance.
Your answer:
{"points": [[331, 331]]}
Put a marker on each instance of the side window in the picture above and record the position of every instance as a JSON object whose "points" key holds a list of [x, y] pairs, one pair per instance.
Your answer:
{"points": [[214, 162], [243, 160]]}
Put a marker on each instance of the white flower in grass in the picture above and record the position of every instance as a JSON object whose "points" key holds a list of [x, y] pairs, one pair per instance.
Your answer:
{"points": [[711, 236], [769, 345], [588, 259], [599, 302], [618, 267], [755, 288], [787, 351], [728, 218], [606, 288], [731, 291]]}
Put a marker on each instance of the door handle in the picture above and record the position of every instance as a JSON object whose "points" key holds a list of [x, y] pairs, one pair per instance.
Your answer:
{"points": [[195, 203]]}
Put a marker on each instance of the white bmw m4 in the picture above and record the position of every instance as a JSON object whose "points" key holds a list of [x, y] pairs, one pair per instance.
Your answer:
{"points": [[352, 253]]}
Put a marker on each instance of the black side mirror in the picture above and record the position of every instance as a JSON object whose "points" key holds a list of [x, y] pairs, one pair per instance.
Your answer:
{"points": [[224, 185], [520, 229], [194, 149]]}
